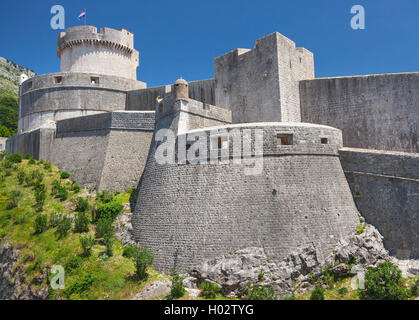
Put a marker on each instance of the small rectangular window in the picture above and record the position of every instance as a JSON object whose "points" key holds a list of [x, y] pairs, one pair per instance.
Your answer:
{"points": [[323, 140], [58, 79], [94, 80], [284, 139]]}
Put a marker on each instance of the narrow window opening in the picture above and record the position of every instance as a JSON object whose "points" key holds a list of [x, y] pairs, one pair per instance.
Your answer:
{"points": [[324, 140], [58, 79], [284, 139], [29, 84], [94, 80]]}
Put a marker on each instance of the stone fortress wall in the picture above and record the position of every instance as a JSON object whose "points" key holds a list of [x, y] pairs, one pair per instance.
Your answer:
{"points": [[98, 122], [374, 111]]}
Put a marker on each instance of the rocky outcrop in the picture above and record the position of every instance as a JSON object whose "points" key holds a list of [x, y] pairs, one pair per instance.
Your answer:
{"points": [[12, 280], [295, 273], [123, 229]]}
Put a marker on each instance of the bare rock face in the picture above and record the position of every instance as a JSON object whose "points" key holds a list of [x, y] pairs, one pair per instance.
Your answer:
{"points": [[123, 229], [232, 272], [12, 280], [153, 289]]}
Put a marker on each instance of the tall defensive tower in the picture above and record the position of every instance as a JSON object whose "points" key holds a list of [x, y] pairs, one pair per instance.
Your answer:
{"points": [[110, 52]]}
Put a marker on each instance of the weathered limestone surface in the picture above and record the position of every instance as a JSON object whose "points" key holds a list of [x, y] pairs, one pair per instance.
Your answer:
{"points": [[386, 187], [374, 111], [186, 213], [105, 148], [262, 84]]}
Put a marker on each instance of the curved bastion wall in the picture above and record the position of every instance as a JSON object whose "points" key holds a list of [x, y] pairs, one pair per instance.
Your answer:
{"points": [[110, 52], [58, 96], [190, 212]]}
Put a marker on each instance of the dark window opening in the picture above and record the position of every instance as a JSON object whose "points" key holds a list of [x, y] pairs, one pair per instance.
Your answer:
{"points": [[94, 80], [324, 140], [284, 139], [29, 84], [58, 79], [188, 146], [220, 143]]}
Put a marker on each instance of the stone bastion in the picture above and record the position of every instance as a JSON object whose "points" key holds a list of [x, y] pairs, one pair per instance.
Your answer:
{"points": [[51, 97], [189, 211]]}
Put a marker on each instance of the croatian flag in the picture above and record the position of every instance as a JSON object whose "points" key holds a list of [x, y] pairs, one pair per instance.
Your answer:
{"points": [[82, 14]]}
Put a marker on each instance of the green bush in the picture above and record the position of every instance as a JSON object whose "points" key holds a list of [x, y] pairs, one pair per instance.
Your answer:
{"points": [[81, 223], [76, 188], [105, 196], [328, 277], [81, 204], [41, 223], [259, 292], [109, 210], [73, 263], [47, 166], [14, 157], [143, 260], [108, 241], [87, 243], [130, 252], [21, 176], [27, 156], [59, 191], [177, 290], [103, 227], [31, 161], [13, 201], [209, 290], [342, 291], [414, 290], [37, 175], [384, 282], [64, 175], [40, 197], [317, 294], [79, 286], [63, 226]]}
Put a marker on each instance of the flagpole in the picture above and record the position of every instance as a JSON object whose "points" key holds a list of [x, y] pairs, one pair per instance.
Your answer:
{"points": [[85, 16]]}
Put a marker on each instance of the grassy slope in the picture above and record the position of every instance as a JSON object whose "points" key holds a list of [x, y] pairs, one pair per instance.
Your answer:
{"points": [[112, 278]]}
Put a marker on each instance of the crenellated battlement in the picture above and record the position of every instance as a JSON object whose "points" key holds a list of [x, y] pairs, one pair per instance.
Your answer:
{"points": [[121, 39]]}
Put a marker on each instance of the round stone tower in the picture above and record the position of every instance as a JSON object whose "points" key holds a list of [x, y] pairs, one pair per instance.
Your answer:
{"points": [[110, 52]]}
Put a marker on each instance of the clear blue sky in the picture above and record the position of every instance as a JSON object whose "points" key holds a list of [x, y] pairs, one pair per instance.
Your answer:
{"points": [[181, 38]]}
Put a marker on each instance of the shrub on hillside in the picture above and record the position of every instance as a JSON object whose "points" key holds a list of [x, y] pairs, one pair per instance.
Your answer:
{"points": [[130, 252], [47, 166], [14, 157], [59, 191], [108, 241], [63, 226], [64, 175], [13, 199], [209, 290], [81, 223], [105, 196], [144, 259], [109, 210], [41, 223], [259, 292], [40, 197], [37, 175], [87, 243], [384, 282], [177, 290], [81, 204], [21, 176], [317, 294], [414, 290], [31, 161], [104, 227], [79, 286], [73, 262], [54, 218]]}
